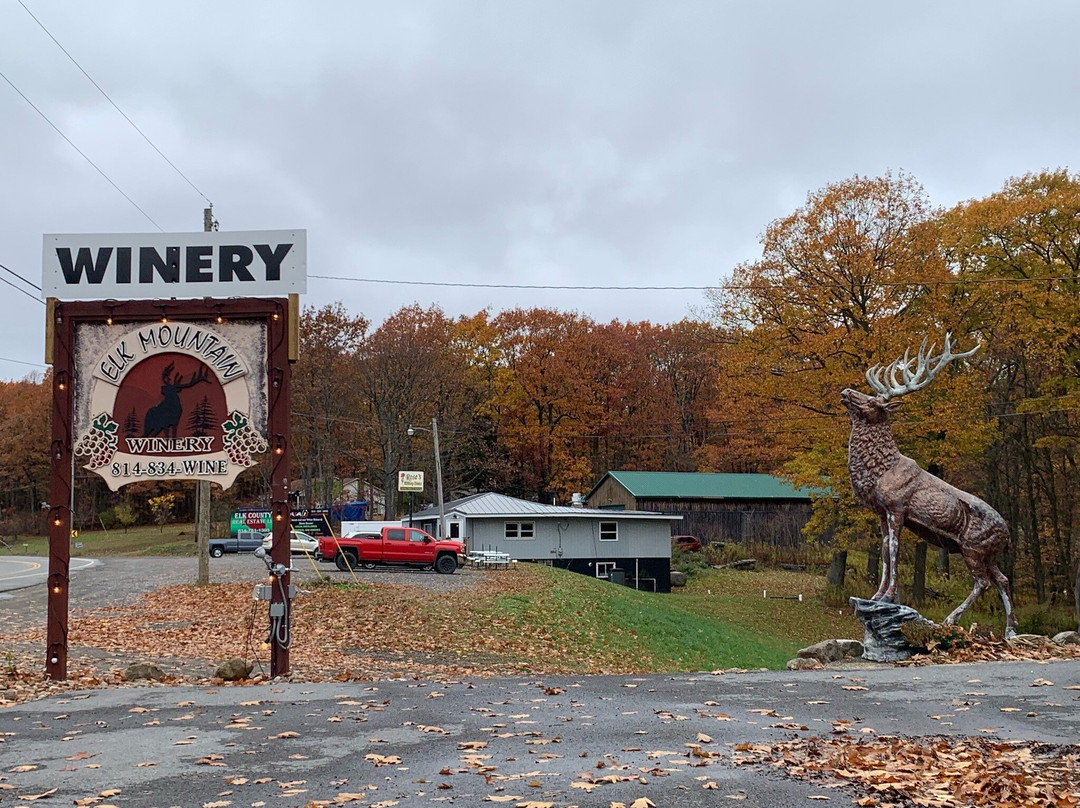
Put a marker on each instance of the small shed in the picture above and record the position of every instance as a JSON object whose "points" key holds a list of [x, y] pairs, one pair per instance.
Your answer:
{"points": [[741, 508], [629, 546]]}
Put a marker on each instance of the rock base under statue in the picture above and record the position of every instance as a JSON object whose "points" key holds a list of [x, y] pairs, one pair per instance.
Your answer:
{"points": [[883, 641]]}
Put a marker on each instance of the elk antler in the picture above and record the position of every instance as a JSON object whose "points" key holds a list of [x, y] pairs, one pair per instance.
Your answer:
{"points": [[198, 376], [165, 373], [915, 372]]}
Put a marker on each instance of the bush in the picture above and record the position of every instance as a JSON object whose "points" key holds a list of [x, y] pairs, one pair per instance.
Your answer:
{"points": [[688, 562], [1043, 619], [124, 515], [107, 518], [935, 637]]}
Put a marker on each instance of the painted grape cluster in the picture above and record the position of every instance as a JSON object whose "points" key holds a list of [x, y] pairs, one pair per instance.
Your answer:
{"points": [[241, 440], [100, 442]]}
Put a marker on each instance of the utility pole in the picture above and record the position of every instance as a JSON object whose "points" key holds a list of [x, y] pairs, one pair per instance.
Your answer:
{"points": [[202, 487], [438, 477], [438, 473]]}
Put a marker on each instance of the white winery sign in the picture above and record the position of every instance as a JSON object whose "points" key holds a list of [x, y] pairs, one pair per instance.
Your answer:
{"points": [[127, 266]]}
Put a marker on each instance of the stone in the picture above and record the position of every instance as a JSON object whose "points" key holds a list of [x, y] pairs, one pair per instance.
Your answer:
{"points": [[1067, 638], [804, 664], [883, 640], [235, 669], [1029, 640], [143, 670], [850, 648], [678, 578], [824, 651]]}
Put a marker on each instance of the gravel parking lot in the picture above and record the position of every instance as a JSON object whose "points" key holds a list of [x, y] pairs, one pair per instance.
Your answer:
{"points": [[121, 581]]}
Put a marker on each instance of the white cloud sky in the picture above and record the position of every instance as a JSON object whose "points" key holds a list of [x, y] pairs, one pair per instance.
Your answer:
{"points": [[578, 143]]}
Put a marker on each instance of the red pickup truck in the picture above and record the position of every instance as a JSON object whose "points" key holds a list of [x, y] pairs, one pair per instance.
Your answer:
{"points": [[406, 546]]}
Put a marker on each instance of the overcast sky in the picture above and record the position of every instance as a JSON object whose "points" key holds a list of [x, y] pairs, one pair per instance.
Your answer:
{"points": [[560, 143]]}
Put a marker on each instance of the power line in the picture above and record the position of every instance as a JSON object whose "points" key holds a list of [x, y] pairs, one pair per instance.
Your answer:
{"points": [[107, 98], [721, 287], [20, 289], [20, 362], [20, 277], [80, 151], [514, 286]]}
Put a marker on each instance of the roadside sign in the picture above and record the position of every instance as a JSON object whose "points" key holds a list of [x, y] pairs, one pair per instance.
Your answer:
{"points": [[410, 481]]}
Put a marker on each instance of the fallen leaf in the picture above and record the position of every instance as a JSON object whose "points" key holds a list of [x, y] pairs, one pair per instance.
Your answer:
{"points": [[43, 794]]}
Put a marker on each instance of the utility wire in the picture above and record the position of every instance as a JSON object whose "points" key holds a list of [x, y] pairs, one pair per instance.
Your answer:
{"points": [[718, 287], [20, 277], [20, 362], [80, 151], [107, 98], [20, 289]]}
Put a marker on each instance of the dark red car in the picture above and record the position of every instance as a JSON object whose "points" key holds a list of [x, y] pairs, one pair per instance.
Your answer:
{"points": [[688, 543]]}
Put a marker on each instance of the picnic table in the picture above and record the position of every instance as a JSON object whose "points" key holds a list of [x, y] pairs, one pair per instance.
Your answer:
{"points": [[489, 558]]}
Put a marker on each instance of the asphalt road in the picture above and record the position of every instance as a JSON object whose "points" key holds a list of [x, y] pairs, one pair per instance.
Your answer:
{"points": [[286, 744], [18, 572]]}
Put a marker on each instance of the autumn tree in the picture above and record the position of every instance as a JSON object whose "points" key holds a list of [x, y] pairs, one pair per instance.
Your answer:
{"points": [[325, 401], [1018, 255], [687, 356], [25, 435], [161, 507], [546, 399], [847, 281], [409, 371]]}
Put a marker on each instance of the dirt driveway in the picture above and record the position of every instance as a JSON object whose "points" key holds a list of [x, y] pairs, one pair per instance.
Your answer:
{"points": [[121, 581]]}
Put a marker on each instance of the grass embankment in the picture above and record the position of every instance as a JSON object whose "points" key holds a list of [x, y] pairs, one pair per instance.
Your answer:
{"points": [[148, 540], [719, 621], [550, 620]]}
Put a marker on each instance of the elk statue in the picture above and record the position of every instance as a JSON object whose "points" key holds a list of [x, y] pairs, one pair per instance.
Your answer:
{"points": [[902, 494], [165, 416]]}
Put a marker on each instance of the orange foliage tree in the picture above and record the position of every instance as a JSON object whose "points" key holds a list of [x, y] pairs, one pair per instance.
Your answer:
{"points": [[847, 281], [1018, 254]]}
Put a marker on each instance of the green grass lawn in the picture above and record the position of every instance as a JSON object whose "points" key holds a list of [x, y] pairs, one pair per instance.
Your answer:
{"points": [[722, 619], [169, 540], [719, 621]]}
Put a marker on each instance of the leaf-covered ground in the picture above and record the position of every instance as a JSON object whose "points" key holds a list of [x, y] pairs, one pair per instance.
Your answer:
{"points": [[935, 772], [545, 622]]}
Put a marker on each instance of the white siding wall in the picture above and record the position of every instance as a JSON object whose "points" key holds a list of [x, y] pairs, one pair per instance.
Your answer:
{"points": [[578, 537]]}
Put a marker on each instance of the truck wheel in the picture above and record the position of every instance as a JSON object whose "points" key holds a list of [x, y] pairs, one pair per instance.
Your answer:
{"points": [[217, 552], [446, 564], [342, 563], [370, 565]]}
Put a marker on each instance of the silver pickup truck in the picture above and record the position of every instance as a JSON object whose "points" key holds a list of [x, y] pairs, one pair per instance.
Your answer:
{"points": [[246, 541]]}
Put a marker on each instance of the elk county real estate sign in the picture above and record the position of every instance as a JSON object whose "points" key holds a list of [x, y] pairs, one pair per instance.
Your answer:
{"points": [[137, 266]]}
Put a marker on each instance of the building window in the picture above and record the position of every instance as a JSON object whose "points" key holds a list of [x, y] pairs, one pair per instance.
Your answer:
{"points": [[520, 530], [609, 531], [455, 530], [604, 568]]}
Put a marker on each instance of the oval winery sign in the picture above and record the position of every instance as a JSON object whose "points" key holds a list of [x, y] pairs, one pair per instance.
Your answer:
{"points": [[170, 401]]}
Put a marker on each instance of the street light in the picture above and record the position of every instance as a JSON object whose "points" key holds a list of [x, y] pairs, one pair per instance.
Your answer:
{"points": [[438, 470]]}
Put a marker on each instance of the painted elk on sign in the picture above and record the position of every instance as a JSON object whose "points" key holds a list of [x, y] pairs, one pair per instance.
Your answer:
{"points": [[165, 417], [902, 494]]}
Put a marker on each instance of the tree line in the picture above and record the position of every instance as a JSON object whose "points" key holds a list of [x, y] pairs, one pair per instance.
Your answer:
{"points": [[539, 403]]}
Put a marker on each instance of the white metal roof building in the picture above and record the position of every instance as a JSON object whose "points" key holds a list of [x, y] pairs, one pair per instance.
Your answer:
{"points": [[634, 546]]}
